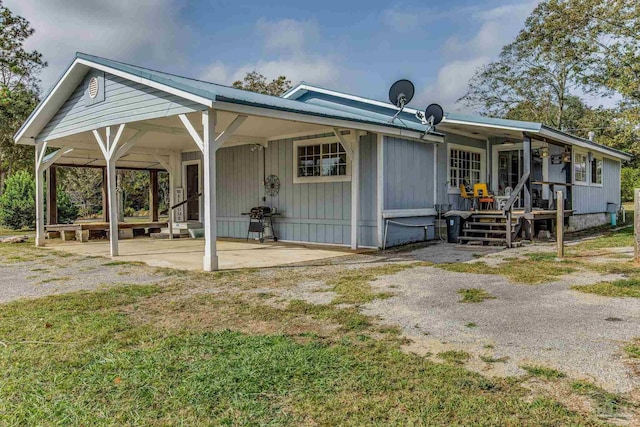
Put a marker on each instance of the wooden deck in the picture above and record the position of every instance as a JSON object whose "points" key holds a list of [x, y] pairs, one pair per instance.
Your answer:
{"points": [[84, 231], [535, 214]]}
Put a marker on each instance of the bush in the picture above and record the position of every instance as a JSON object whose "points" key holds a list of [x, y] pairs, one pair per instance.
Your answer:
{"points": [[629, 179], [67, 210], [18, 202]]}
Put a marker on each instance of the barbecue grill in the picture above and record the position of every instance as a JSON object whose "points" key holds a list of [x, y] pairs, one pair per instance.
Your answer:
{"points": [[261, 219]]}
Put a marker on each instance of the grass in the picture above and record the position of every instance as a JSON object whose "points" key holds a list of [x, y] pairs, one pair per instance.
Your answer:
{"points": [[457, 357], [607, 404], [620, 288], [474, 295], [527, 271], [354, 286], [613, 239], [633, 349], [117, 263], [491, 359], [145, 354], [471, 325], [543, 372]]}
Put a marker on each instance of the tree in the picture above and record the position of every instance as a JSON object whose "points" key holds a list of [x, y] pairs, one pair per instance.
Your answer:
{"points": [[604, 35], [256, 82], [19, 90], [525, 82], [17, 203]]}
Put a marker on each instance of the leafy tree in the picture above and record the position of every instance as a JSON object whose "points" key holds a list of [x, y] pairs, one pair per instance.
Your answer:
{"points": [[255, 82], [604, 35], [17, 203], [19, 91], [629, 179], [526, 81], [68, 211]]}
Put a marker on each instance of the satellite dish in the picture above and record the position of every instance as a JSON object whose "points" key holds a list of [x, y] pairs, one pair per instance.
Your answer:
{"points": [[434, 114], [401, 93]]}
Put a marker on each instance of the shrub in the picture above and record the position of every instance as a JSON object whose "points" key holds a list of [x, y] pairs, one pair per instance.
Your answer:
{"points": [[629, 179], [67, 210], [17, 203]]}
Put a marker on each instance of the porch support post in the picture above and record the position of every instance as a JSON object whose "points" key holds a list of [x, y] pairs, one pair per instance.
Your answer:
{"points": [[40, 150], [109, 148], [52, 196], [526, 148], [153, 196], [210, 261], [355, 189], [380, 188], [105, 196]]}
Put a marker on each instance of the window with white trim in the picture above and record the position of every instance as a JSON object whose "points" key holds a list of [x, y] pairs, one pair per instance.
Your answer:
{"points": [[465, 166], [580, 167], [596, 171], [323, 160]]}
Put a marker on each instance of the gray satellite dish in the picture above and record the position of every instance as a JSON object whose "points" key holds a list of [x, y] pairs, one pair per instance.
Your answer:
{"points": [[400, 94], [434, 114]]}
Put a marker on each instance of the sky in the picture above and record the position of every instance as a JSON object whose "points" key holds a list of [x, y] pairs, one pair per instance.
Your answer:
{"points": [[353, 46]]}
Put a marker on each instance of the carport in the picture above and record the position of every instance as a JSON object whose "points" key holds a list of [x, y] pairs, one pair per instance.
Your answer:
{"points": [[110, 114]]}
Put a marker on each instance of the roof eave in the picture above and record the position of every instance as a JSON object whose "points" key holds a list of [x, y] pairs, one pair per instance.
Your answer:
{"points": [[584, 143]]}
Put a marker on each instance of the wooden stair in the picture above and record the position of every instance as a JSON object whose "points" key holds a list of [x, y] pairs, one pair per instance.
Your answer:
{"points": [[486, 229]]}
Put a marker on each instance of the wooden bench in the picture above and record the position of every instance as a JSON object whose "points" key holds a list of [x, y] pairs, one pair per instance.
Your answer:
{"points": [[84, 231]]}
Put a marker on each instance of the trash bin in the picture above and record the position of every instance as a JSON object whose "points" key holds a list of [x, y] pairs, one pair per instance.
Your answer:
{"points": [[454, 228]]}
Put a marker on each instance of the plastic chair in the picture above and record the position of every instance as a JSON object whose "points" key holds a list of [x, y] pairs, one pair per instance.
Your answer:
{"points": [[465, 195], [481, 192]]}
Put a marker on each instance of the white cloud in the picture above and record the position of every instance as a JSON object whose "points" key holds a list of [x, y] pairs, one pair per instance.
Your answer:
{"points": [[286, 44], [319, 70], [143, 31], [497, 27], [286, 35]]}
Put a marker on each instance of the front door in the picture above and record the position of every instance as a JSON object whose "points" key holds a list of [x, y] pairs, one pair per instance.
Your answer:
{"points": [[193, 188], [510, 170]]}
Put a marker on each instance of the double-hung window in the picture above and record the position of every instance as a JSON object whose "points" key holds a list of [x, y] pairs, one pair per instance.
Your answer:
{"points": [[466, 166], [596, 171], [320, 161], [580, 167]]}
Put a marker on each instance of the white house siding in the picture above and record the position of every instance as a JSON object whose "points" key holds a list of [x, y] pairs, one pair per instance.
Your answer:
{"points": [[124, 102], [589, 199], [313, 212], [408, 178]]}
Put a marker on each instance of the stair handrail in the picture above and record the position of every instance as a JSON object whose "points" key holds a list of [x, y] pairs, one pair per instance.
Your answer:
{"points": [[177, 205], [515, 193]]}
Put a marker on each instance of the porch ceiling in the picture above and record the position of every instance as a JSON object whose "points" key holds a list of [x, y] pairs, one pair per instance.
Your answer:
{"points": [[167, 134], [479, 132]]}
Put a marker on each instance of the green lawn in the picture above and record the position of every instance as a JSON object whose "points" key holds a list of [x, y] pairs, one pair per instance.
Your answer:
{"points": [[152, 355]]}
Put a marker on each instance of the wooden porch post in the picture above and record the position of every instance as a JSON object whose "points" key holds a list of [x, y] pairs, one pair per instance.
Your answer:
{"points": [[355, 189], [52, 196], [40, 150], [153, 196], [105, 196], [210, 261], [526, 148]]}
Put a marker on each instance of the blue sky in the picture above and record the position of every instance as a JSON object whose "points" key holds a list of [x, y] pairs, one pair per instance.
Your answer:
{"points": [[354, 46]]}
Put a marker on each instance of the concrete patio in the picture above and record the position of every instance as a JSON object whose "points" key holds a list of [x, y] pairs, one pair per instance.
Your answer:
{"points": [[186, 254]]}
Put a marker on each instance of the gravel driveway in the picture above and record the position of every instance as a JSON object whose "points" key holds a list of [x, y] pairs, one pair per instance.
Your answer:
{"points": [[549, 324]]}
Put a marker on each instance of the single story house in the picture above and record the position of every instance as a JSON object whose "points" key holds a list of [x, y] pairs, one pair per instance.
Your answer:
{"points": [[336, 167]]}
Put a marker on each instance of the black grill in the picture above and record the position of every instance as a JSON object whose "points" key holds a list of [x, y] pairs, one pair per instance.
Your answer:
{"points": [[261, 218]]}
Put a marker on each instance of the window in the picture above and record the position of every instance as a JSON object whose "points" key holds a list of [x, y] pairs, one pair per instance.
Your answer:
{"points": [[580, 167], [596, 171], [320, 162], [465, 165]]}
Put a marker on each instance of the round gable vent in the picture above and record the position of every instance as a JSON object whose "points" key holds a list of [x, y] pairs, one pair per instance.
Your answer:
{"points": [[93, 87]]}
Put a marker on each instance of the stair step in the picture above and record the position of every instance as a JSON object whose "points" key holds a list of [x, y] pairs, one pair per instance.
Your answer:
{"points": [[472, 231], [481, 239], [490, 224], [488, 216]]}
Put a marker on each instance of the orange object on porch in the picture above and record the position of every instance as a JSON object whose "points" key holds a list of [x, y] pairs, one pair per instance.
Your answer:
{"points": [[466, 196], [481, 192]]}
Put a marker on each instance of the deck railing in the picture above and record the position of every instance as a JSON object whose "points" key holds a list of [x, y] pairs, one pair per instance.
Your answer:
{"points": [[508, 206]]}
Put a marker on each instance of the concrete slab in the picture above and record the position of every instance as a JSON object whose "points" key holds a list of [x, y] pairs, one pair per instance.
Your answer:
{"points": [[186, 254]]}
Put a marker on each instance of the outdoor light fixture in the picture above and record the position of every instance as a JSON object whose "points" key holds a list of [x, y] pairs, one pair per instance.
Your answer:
{"points": [[544, 150]]}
